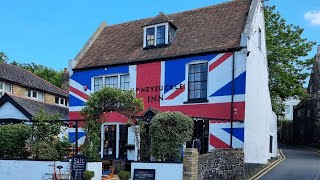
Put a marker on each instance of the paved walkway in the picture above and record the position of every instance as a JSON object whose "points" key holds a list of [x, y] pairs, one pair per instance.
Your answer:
{"points": [[300, 164]]}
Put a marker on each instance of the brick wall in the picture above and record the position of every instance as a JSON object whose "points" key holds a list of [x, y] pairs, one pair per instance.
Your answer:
{"points": [[23, 92], [19, 91]]}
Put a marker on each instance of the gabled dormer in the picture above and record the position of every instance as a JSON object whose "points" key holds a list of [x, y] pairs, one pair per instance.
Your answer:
{"points": [[158, 32]]}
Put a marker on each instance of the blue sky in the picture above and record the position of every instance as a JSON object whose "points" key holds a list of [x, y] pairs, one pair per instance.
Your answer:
{"points": [[51, 32]]}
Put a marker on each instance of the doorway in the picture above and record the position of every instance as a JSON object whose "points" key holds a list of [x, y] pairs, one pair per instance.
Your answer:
{"points": [[114, 139]]}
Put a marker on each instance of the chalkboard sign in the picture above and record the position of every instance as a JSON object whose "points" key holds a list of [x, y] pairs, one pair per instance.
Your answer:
{"points": [[144, 174], [78, 166]]}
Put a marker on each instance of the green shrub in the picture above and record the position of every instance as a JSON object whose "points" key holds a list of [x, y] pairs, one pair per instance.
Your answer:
{"points": [[13, 139], [124, 175], [169, 131], [88, 175]]}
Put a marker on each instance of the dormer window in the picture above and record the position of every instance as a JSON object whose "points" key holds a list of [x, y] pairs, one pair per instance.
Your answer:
{"points": [[156, 35]]}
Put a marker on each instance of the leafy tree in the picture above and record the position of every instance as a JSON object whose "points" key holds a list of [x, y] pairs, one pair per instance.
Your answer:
{"points": [[106, 100], [169, 131], [45, 142], [3, 57], [49, 74], [285, 47], [13, 139]]}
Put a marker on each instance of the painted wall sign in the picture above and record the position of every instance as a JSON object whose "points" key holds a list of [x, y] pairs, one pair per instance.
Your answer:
{"points": [[78, 166], [144, 174]]}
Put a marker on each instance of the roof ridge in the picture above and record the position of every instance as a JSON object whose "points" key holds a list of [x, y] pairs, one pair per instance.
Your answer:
{"points": [[27, 98], [172, 14], [37, 77]]}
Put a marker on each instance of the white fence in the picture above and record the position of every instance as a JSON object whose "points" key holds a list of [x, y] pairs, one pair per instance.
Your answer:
{"points": [[40, 170]]}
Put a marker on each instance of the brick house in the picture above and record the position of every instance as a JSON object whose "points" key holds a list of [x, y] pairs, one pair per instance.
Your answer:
{"points": [[209, 63], [306, 117], [23, 94]]}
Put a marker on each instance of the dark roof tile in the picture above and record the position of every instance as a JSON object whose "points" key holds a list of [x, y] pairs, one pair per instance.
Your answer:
{"points": [[203, 30], [25, 78]]}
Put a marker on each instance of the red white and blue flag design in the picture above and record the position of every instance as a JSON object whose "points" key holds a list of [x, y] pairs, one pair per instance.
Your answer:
{"points": [[164, 86]]}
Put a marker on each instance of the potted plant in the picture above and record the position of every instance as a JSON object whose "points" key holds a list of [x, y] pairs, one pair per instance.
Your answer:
{"points": [[88, 175], [124, 175]]}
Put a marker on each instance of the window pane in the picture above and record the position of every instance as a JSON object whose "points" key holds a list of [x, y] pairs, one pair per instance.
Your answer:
{"points": [[29, 93], [1, 85], [34, 94], [61, 101], [124, 82], [40, 96], [197, 68], [150, 37], [56, 100], [198, 81], [112, 81], [191, 69], [160, 35], [97, 84], [66, 103], [7, 87]]}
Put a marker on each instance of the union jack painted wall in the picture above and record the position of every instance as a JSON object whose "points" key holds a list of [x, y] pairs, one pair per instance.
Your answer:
{"points": [[163, 85]]}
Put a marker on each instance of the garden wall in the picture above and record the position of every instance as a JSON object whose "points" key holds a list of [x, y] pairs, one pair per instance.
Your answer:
{"points": [[162, 170], [38, 170], [221, 164]]}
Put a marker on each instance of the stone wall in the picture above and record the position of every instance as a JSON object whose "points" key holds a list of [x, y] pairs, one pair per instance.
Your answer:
{"points": [[221, 164]]}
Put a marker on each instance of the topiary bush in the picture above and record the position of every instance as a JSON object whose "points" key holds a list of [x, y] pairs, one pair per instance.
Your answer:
{"points": [[124, 175], [169, 131]]}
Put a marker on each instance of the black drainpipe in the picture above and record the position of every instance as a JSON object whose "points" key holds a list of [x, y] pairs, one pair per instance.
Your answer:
{"points": [[232, 98]]}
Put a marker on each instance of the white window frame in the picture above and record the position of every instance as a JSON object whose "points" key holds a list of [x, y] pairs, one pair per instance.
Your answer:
{"points": [[166, 38], [2, 89], [187, 78], [37, 94], [109, 75], [59, 101]]}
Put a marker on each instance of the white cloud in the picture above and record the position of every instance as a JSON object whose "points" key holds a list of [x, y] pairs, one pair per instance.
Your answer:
{"points": [[313, 17]]}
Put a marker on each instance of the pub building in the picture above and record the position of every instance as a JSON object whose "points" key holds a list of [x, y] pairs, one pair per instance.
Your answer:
{"points": [[208, 63]]}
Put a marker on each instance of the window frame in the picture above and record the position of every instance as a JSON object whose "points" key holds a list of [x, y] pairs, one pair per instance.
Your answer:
{"points": [[37, 95], [166, 35], [110, 75], [65, 101], [3, 89], [197, 100]]}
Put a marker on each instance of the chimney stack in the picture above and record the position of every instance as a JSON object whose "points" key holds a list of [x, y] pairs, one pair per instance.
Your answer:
{"points": [[318, 52]]}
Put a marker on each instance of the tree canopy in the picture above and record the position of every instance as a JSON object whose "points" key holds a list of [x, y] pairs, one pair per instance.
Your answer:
{"points": [[3, 57], [106, 100], [285, 48]]}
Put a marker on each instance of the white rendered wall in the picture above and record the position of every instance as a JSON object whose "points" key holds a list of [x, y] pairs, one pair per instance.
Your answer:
{"points": [[259, 117], [163, 171], [290, 102], [7, 110], [36, 170]]}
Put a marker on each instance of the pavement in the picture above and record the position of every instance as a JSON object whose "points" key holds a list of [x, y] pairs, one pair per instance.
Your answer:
{"points": [[300, 164]]}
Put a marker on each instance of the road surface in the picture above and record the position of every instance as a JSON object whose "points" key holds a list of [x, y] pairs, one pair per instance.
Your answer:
{"points": [[300, 164]]}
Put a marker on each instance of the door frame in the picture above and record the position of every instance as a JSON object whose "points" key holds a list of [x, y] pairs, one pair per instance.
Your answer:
{"points": [[117, 137]]}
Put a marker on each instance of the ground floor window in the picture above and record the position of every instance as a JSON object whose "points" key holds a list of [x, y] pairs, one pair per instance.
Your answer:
{"points": [[200, 136], [270, 147]]}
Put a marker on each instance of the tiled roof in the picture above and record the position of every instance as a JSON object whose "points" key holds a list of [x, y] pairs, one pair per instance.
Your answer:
{"points": [[25, 78], [209, 29], [33, 106]]}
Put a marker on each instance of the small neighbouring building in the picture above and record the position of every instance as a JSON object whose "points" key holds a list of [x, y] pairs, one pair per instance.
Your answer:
{"points": [[209, 63]]}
